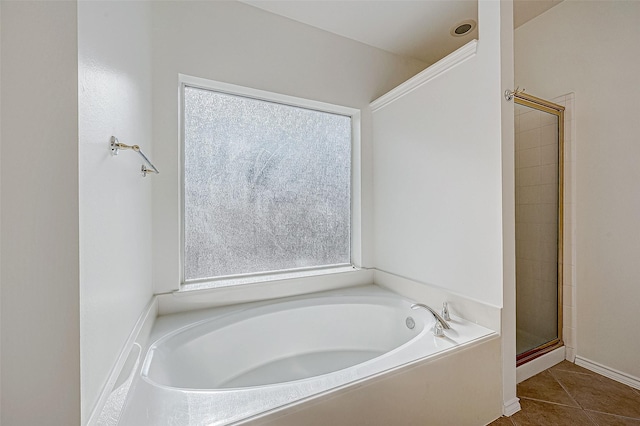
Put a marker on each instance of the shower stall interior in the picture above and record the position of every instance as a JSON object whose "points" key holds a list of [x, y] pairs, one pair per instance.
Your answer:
{"points": [[539, 151]]}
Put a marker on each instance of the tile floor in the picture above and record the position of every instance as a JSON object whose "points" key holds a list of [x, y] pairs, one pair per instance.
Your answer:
{"points": [[567, 394]]}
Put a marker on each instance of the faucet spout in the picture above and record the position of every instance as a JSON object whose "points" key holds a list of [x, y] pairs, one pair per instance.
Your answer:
{"points": [[436, 315]]}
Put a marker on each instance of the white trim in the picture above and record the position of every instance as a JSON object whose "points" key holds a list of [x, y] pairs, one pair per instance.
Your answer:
{"points": [[138, 335], [264, 95], [356, 189], [443, 65], [540, 364], [509, 408], [609, 372]]}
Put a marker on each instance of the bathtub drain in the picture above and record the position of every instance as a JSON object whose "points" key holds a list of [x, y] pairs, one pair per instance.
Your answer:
{"points": [[410, 323]]}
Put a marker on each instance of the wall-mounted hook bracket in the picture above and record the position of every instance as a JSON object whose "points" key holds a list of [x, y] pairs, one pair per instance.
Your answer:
{"points": [[145, 170], [116, 146], [509, 95]]}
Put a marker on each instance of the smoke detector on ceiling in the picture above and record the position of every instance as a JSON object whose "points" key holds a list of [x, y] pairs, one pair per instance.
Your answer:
{"points": [[463, 28]]}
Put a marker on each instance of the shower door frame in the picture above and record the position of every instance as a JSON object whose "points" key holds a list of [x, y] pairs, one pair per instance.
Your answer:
{"points": [[533, 102]]}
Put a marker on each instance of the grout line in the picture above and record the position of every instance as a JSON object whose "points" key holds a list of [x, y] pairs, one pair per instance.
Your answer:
{"points": [[562, 405], [591, 419], [504, 417], [578, 372], [589, 409], [551, 402], [564, 388], [588, 412], [614, 415], [513, 422]]}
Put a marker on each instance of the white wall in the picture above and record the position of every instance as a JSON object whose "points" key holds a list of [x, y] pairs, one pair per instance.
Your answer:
{"points": [[114, 50], [239, 44], [444, 178], [438, 176], [0, 217], [508, 317], [39, 196], [591, 48]]}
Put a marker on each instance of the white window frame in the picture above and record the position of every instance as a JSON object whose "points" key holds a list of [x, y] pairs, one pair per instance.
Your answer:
{"points": [[356, 190]]}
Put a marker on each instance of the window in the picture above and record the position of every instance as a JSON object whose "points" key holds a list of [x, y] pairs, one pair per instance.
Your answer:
{"points": [[267, 184]]}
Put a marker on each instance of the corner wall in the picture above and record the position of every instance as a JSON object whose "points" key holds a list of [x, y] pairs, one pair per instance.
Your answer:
{"points": [[444, 177], [438, 175], [508, 315], [239, 44], [39, 250], [0, 216], [114, 50], [600, 64]]}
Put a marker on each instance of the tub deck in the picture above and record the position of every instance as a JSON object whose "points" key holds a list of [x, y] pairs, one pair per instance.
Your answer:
{"points": [[225, 365]]}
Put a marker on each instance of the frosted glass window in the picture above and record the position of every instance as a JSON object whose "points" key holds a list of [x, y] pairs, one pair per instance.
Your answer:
{"points": [[267, 186]]}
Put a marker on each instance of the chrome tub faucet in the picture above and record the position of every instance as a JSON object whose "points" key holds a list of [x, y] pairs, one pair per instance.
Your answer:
{"points": [[440, 325]]}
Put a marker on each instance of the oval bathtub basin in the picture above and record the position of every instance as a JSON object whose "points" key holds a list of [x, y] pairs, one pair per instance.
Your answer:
{"points": [[227, 365], [280, 343]]}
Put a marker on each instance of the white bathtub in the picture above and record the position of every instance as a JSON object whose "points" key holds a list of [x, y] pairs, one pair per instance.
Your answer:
{"points": [[221, 366]]}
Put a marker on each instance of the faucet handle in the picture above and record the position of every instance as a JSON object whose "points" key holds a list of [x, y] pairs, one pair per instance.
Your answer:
{"points": [[438, 331], [445, 311]]}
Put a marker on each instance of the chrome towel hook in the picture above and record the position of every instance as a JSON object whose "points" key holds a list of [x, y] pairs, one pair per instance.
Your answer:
{"points": [[116, 146]]}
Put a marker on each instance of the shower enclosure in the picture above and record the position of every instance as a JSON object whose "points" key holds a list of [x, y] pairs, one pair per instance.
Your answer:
{"points": [[539, 151]]}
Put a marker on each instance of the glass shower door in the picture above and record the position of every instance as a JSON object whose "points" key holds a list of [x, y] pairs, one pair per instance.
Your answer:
{"points": [[538, 148]]}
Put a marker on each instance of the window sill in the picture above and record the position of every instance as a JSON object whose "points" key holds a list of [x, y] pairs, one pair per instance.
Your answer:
{"points": [[263, 278], [211, 294]]}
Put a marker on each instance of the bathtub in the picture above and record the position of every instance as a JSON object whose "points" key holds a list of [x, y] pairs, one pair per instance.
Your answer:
{"points": [[225, 365]]}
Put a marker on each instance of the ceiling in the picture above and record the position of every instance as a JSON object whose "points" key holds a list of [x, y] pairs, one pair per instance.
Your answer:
{"points": [[419, 29]]}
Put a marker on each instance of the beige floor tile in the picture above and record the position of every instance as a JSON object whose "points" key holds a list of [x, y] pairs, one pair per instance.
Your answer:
{"points": [[502, 421], [599, 393], [536, 413], [544, 387], [610, 420]]}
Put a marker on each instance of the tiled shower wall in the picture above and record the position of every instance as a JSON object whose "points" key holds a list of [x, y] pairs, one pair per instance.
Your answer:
{"points": [[536, 225]]}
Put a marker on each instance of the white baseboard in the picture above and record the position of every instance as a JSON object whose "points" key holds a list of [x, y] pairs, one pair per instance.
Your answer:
{"points": [[609, 372], [539, 364], [138, 335], [511, 407]]}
